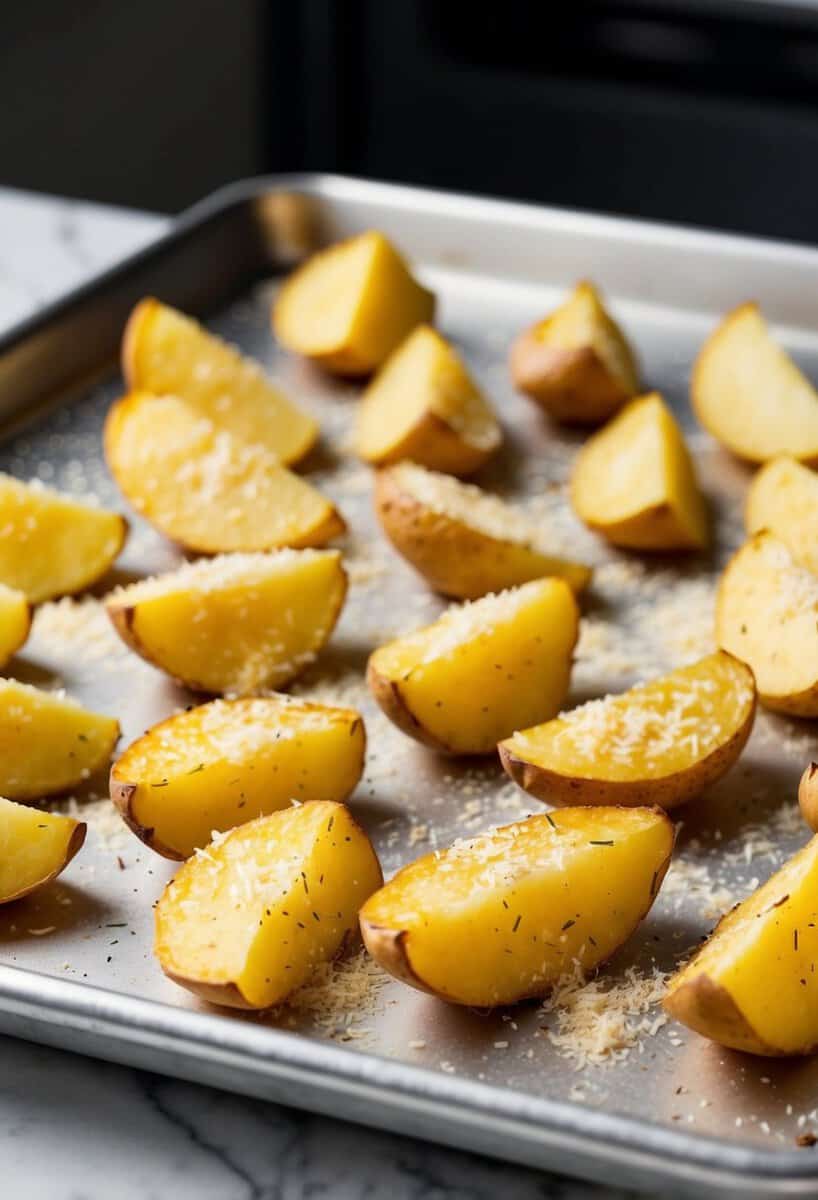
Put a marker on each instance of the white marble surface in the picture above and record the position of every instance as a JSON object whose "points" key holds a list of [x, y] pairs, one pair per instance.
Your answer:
{"points": [[77, 1129]]}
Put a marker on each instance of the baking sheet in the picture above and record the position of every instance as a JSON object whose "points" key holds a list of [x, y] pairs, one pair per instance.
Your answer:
{"points": [[662, 1103]]}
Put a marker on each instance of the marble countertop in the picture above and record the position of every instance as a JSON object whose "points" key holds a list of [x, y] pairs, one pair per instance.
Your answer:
{"points": [[77, 1129]]}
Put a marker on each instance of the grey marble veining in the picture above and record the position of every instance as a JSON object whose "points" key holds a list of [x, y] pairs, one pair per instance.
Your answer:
{"points": [[77, 1129]]}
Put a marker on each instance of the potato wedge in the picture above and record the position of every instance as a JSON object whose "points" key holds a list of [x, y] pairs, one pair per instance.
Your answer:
{"points": [[247, 920], [51, 544], [349, 306], [500, 917], [205, 488], [752, 985], [225, 763], [808, 796], [766, 613], [170, 354], [576, 362], [749, 394], [424, 405], [462, 540], [783, 498], [660, 743], [482, 670], [235, 623], [48, 742], [634, 482], [34, 847], [15, 621]]}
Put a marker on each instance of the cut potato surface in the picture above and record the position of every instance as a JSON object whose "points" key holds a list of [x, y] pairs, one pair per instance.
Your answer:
{"points": [[634, 482], [205, 488], [661, 743], [482, 670], [749, 393], [766, 615], [53, 545], [576, 362], [48, 743], [225, 763], [246, 921], [349, 306], [424, 405], [808, 796], [170, 354], [462, 540], [783, 498], [501, 917], [752, 986], [15, 621], [235, 623], [34, 847]]}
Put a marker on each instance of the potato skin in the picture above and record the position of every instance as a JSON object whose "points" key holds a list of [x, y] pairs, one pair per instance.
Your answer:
{"points": [[573, 386], [388, 695], [122, 795], [433, 443], [710, 1010], [666, 792], [808, 796], [75, 844], [453, 559]]}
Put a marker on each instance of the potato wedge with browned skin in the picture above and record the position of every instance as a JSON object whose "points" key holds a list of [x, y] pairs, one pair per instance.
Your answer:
{"points": [[749, 394], [462, 540], [767, 615], [576, 362], [222, 764], [482, 670], [35, 847], [245, 922], [752, 986], [350, 305], [661, 743], [634, 482], [236, 623], [424, 405], [52, 544], [500, 917], [170, 354], [15, 621], [48, 742], [207, 488], [783, 499], [808, 796]]}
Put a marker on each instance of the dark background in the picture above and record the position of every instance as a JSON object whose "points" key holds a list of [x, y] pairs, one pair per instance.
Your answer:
{"points": [[705, 113]]}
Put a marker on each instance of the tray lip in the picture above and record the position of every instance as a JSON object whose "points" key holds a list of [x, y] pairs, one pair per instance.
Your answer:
{"points": [[605, 1136]]}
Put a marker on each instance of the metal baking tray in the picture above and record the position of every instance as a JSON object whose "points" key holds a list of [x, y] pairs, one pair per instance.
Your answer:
{"points": [[76, 970]]}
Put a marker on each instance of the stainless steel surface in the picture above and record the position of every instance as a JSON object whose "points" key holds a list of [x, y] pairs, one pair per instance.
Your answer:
{"points": [[77, 969]]}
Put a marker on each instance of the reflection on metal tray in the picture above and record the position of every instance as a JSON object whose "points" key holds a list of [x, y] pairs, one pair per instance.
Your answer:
{"points": [[668, 1109]]}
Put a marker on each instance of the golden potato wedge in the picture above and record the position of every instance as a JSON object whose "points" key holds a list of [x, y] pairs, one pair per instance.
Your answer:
{"points": [[225, 763], [236, 623], [749, 394], [51, 544], [349, 306], [15, 621], [576, 362], [205, 488], [808, 796], [48, 742], [660, 743], [783, 498], [424, 405], [462, 540], [634, 482], [766, 613], [246, 921], [482, 670], [752, 985], [34, 847], [500, 917], [170, 354]]}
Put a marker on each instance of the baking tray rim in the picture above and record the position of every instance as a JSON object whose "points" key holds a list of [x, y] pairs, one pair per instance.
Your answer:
{"points": [[33, 1005]]}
